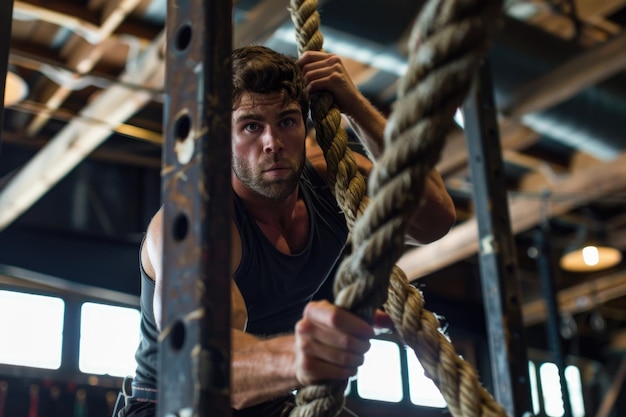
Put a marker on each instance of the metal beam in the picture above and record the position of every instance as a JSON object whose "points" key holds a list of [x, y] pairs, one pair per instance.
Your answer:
{"points": [[194, 348], [497, 257], [547, 266]]}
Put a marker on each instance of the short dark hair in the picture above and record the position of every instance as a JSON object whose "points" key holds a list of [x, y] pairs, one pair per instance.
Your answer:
{"points": [[259, 69]]}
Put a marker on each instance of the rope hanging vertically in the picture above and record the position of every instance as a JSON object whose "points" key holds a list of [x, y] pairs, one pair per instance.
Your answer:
{"points": [[446, 45]]}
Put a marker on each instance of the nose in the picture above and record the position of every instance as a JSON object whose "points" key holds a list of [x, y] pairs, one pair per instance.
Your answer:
{"points": [[272, 142]]}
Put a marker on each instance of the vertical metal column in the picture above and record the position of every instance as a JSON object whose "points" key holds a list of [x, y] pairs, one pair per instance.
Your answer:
{"points": [[498, 269], [194, 348], [6, 21], [547, 266]]}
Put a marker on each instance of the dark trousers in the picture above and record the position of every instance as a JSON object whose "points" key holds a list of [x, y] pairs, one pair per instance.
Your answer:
{"points": [[280, 407], [277, 408]]}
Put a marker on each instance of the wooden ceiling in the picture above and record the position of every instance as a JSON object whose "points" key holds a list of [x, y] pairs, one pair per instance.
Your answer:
{"points": [[95, 74]]}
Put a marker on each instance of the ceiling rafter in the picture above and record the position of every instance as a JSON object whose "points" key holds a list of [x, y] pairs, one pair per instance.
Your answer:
{"points": [[84, 58], [77, 139], [581, 185]]}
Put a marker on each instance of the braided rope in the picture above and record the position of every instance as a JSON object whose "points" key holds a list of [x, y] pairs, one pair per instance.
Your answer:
{"points": [[447, 43]]}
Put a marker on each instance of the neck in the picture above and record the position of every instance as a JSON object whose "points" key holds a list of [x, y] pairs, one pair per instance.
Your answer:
{"points": [[268, 211], [284, 223]]}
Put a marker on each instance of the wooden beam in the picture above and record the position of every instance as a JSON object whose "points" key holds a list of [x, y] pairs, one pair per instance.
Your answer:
{"points": [[587, 9], [81, 21], [513, 136], [562, 83], [579, 298], [618, 341], [83, 59], [101, 154], [124, 129], [580, 186], [77, 139]]}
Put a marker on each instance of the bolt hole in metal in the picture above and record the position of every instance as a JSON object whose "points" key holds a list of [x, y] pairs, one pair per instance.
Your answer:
{"points": [[183, 36], [177, 336], [180, 227], [184, 145]]}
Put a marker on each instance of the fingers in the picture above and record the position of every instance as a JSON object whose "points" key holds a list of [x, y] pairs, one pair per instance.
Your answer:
{"points": [[326, 72], [330, 343]]}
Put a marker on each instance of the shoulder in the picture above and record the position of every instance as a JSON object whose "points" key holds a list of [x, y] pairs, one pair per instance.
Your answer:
{"points": [[152, 247]]}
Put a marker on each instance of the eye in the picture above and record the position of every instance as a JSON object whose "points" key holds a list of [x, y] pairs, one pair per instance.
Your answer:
{"points": [[252, 127], [288, 122]]}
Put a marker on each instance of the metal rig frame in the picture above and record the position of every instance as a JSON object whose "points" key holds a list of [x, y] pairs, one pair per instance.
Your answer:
{"points": [[194, 347], [498, 266]]}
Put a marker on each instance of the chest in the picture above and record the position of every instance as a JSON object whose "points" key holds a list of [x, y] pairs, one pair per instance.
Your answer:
{"points": [[291, 237]]}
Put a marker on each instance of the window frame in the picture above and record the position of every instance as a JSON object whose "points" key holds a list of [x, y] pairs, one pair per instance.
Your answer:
{"points": [[73, 295]]}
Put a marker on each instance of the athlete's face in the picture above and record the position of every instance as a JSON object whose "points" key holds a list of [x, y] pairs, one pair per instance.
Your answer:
{"points": [[268, 145]]}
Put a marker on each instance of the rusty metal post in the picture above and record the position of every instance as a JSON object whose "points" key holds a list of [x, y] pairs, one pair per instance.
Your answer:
{"points": [[6, 21], [194, 348], [498, 269]]}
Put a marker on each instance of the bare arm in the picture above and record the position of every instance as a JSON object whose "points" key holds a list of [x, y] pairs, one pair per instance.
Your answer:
{"points": [[328, 342], [325, 72], [152, 262]]}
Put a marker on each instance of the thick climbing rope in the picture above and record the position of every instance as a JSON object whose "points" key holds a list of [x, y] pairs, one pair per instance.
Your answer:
{"points": [[446, 45]]}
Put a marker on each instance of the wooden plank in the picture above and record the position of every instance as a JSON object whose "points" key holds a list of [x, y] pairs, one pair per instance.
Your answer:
{"points": [[513, 136], [562, 83], [74, 142], [581, 186], [578, 298], [587, 9], [63, 14]]}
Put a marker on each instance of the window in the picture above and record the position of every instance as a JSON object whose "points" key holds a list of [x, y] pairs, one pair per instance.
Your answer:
{"points": [[379, 378], [534, 391], [34, 325], [422, 389], [109, 336], [551, 390], [575, 387]]}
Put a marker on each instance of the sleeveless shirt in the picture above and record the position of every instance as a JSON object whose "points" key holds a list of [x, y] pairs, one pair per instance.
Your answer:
{"points": [[275, 286]]}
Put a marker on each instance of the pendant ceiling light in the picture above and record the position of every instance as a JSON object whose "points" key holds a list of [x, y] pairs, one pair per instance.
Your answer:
{"points": [[589, 252], [15, 90]]}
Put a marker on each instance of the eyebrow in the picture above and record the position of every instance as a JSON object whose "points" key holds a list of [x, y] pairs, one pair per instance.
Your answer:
{"points": [[257, 117]]}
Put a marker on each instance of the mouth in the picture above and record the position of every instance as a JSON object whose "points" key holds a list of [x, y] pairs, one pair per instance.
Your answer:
{"points": [[276, 168]]}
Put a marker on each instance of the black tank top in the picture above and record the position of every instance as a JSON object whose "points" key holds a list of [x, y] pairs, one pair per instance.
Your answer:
{"points": [[275, 286]]}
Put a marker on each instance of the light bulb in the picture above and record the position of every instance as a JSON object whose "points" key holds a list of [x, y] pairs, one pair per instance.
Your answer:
{"points": [[591, 256]]}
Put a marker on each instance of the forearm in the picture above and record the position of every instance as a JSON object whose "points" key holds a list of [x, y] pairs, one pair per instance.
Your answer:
{"points": [[368, 124], [436, 215], [261, 369]]}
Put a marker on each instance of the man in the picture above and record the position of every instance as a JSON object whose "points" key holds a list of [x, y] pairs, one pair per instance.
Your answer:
{"points": [[287, 235]]}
